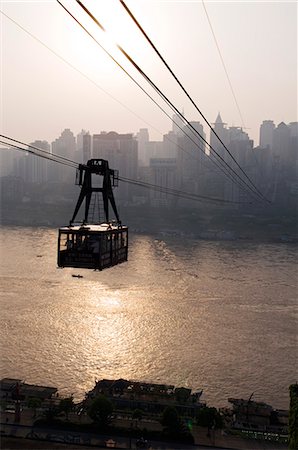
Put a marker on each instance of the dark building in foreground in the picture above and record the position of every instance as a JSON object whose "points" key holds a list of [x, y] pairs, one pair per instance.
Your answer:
{"points": [[13, 389], [148, 397]]}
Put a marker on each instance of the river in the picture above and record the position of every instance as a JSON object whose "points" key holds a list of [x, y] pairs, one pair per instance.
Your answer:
{"points": [[217, 316]]}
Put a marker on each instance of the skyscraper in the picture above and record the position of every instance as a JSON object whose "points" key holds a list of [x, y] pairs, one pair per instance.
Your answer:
{"points": [[266, 134], [121, 151], [143, 139], [64, 146], [80, 146], [221, 130]]}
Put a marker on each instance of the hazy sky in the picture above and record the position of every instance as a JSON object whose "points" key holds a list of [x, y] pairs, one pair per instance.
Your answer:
{"points": [[41, 95]]}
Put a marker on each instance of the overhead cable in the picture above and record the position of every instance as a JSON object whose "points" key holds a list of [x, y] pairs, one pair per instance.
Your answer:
{"points": [[53, 156], [78, 70], [68, 162], [119, 65], [178, 193], [151, 98], [187, 94], [223, 63], [254, 190], [94, 83]]}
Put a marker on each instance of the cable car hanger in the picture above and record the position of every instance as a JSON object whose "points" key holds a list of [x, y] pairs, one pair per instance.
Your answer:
{"points": [[94, 245]]}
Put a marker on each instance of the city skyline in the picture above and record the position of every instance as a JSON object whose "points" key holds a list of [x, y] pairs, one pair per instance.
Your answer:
{"points": [[262, 66], [177, 162]]}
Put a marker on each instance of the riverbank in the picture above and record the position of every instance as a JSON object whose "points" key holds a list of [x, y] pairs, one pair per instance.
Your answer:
{"points": [[196, 224]]}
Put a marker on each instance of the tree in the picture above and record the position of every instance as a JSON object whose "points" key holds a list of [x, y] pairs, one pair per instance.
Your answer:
{"points": [[100, 410], [51, 413], [293, 417], [209, 417], [174, 427], [182, 394], [137, 415], [66, 405], [171, 420], [34, 403]]}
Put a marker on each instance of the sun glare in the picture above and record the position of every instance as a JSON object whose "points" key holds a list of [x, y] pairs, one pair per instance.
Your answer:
{"points": [[118, 31]]}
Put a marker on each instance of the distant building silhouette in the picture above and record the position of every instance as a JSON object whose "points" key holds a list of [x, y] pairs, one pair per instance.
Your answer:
{"points": [[143, 139], [64, 146], [191, 156], [266, 134], [31, 168], [79, 154], [221, 130], [163, 173], [87, 147], [178, 124], [121, 150], [281, 143]]}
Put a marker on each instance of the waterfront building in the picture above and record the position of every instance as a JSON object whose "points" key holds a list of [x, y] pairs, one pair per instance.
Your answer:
{"points": [[163, 173], [259, 416], [7, 160], [12, 189], [10, 388], [148, 397]]}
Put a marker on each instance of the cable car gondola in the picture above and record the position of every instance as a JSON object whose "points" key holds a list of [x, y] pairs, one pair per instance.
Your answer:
{"points": [[94, 245]]}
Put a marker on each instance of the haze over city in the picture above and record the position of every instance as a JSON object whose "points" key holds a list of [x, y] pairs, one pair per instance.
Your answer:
{"points": [[148, 265]]}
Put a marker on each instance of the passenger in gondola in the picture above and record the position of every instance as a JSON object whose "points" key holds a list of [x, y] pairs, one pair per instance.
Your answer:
{"points": [[69, 244], [92, 244]]}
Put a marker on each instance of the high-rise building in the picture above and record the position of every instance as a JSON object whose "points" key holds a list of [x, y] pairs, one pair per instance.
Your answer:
{"points": [[37, 166], [221, 130], [64, 146], [121, 151], [266, 134], [7, 158], [170, 145], [241, 147], [163, 173], [143, 139], [178, 124], [191, 152], [87, 151], [31, 168], [80, 146], [282, 143]]}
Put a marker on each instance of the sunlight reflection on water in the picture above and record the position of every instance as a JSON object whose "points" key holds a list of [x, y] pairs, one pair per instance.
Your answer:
{"points": [[211, 315]]}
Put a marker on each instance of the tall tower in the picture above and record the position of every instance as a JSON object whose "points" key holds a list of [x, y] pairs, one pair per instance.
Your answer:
{"points": [[143, 139], [80, 146], [221, 130], [266, 134], [178, 123], [64, 146]]}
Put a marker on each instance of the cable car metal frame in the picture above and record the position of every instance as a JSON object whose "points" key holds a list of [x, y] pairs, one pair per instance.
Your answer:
{"points": [[96, 245]]}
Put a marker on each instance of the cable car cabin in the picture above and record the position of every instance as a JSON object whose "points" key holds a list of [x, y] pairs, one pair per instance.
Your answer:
{"points": [[92, 246]]}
